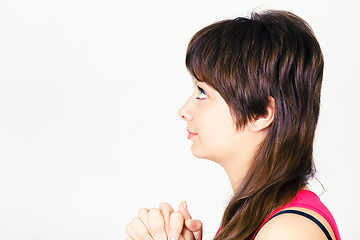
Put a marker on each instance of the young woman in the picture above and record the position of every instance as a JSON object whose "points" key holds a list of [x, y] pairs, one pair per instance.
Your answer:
{"points": [[254, 111]]}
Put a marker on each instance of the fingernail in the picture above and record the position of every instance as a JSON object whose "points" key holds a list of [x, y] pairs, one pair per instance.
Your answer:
{"points": [[185, 205], [172, 238]]}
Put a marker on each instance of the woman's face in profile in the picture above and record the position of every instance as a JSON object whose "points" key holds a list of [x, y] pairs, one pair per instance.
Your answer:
{"points": [[211, 126]]}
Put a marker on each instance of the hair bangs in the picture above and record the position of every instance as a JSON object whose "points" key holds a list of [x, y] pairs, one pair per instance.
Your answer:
{"points": [[202, 56]]}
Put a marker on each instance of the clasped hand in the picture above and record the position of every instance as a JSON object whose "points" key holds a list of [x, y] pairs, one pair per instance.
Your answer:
{"points": [[164, 223]]}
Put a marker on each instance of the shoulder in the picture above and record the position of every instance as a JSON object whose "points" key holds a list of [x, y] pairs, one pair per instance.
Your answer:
{"points": [[290, 226]]}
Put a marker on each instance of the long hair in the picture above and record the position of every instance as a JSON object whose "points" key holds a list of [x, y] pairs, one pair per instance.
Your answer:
{"points": [[273, 54]]}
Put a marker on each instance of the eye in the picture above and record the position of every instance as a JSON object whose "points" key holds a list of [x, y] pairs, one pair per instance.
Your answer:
{"points": [[202, 94]]}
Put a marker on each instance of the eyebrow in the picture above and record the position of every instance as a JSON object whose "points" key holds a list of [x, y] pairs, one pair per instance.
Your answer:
{"points": [[204, 84]]}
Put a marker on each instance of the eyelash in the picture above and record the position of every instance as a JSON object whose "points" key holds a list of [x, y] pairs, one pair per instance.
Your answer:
{"points": [[201, 92]]}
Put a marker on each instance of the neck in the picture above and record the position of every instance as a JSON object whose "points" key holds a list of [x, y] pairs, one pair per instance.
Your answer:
{"points": [[237, 165], [235, 174]]}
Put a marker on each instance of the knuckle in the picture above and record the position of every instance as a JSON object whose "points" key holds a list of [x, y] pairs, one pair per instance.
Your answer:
{"points": [[134, 220], [166, 210], [164, 205], [153, 210], [156, 221], [154, 213], [143, 211]]}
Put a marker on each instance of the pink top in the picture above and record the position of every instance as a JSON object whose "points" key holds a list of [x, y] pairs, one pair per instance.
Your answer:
{"points": [[309, 200]]}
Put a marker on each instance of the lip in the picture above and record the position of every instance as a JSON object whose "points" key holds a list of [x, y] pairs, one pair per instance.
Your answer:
{"points": [[191, 134]]}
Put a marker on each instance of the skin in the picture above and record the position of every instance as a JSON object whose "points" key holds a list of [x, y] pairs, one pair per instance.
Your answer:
{"points": [[291, 226], [164, 223], [216, 138]]}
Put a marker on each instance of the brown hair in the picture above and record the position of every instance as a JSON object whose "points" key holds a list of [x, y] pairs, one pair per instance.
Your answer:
{"points": [[248, 60]]}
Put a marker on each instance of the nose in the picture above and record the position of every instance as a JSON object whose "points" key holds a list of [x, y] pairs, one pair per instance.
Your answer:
{"points": [[184, 112]]}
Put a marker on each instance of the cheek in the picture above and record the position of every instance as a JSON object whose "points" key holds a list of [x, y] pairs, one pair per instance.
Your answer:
{"points": [[217, 130]]}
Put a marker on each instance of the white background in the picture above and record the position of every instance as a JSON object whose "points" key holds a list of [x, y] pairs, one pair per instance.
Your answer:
{"points": [[89, 132]]}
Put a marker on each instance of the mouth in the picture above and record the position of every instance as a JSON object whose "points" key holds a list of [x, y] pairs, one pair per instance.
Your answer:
{"points": [[191, 134]]}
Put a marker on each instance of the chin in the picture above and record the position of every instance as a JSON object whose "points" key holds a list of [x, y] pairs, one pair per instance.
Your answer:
{"points": [[199, 153]]}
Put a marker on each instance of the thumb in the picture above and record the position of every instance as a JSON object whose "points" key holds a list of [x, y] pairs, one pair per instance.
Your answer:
{"points": [[195, 226]]}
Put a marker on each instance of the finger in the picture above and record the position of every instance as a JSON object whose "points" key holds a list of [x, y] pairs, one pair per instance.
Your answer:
{"points": [[156, 224], [129, 238], [196, 227], [130, 231], [143, 215], [176, 225], [182, 237], [166, 210], [184, 210], [187, 234], [138, 230]]}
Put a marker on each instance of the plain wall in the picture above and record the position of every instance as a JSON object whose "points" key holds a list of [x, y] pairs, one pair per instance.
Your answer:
{"points": [[89, 132]]}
